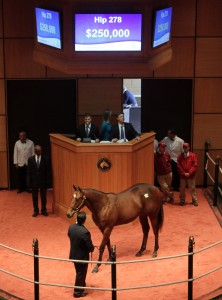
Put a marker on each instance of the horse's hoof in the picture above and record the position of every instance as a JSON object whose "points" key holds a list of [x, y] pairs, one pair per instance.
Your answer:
{"points": [[108, 260], [95, 270], [138, 254], [154, 254]]}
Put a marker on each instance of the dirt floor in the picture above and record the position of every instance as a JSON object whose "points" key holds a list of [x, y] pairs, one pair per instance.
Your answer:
{"points": [[18, 228]]}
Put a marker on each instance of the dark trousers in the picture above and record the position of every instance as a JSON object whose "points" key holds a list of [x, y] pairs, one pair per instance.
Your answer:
{"points": [[21, 174], [35, 198], [81, 271], [176, 176]]}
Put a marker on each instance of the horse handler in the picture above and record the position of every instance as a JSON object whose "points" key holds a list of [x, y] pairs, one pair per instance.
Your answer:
{"points": [[187, 167], [163, 169], [80, 247]]}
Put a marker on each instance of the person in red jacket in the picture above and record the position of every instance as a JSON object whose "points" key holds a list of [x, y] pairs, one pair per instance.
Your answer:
{"points": [[187, 167], [162, 165]]}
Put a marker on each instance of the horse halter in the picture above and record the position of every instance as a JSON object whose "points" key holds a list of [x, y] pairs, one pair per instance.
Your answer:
{"points": [[78, 203]]}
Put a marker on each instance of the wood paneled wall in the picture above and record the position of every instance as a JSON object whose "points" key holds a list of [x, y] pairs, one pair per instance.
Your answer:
{"points": [[96, 95], [208, 72], [197, 48]]}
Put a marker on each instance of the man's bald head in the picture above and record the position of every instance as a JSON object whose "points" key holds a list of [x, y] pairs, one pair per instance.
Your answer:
{"points": [[38, 150]]}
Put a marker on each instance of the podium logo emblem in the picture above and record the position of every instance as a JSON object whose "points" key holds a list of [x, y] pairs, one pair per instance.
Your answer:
{"points": [[104, 164]]}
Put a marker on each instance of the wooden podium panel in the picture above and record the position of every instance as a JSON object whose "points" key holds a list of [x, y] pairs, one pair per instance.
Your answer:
{"points": [[77, 163]]}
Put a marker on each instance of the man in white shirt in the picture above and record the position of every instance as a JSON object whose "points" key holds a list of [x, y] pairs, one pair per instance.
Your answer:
{"points": [[23, 149], [174, 146]]}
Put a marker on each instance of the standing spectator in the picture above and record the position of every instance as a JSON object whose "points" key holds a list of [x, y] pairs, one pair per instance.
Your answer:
{"points": [[128, 98], [155, 144], [105, 130], [80, 247], [123, 130], [38, 178], [23, 149], [87, 130], [187, 167], [174, 146], [162, 164]]}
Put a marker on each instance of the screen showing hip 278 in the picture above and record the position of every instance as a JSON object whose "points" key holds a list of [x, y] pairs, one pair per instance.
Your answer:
{"points": [[48, 27], [108, 32]]}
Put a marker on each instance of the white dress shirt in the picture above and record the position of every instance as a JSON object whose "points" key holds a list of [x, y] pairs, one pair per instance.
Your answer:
{"points": [[36, 157], [174, 147], [87, 128], [22, 152], [122, 126]]}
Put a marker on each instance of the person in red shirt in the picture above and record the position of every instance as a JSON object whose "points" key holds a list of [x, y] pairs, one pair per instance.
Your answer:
{"points": [[187, 167], [162, 165]]}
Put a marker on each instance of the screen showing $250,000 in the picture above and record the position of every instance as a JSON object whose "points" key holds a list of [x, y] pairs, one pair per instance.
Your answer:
{"points": [[108, 32]]}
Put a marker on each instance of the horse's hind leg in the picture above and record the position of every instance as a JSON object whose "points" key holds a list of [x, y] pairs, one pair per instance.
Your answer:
{"points": [[155, 227], [145, 227]]}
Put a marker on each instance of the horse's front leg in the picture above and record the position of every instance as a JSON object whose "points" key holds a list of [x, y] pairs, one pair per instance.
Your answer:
{"points": [[145, 227], [109, 250], [106, 234]]}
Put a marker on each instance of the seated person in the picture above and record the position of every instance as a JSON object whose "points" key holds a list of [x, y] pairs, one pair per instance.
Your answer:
{"points": [[128, 98], [105, 129], [87, 130], [123, 130]]}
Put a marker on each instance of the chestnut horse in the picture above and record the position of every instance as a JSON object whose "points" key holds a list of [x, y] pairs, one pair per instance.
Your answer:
{"points": [[109, 209]]}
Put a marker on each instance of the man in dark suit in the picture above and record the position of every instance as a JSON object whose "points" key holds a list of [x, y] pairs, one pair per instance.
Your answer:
{"points": [[80, 247], [38, 178], [123, 130], [87, 130]]}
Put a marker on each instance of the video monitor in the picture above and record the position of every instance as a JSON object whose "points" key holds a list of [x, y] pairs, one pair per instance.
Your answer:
{"points": [[108, 32], [162, 26], [48, 27]]}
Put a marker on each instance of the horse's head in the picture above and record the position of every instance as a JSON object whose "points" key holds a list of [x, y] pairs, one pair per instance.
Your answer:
{"points": [[78, 202]]}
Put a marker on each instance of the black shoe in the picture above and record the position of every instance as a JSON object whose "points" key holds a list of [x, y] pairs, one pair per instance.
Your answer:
{"points": [[171, 200], [79, 295], [195, 203], [44, 213], [35, 214], [20, 191], [182, 202]]}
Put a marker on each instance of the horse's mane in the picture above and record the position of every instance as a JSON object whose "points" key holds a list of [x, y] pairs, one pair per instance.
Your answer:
{"points": [[98, 192]]}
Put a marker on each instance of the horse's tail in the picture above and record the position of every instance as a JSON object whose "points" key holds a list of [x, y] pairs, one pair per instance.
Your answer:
{"points": [[160, 217]]}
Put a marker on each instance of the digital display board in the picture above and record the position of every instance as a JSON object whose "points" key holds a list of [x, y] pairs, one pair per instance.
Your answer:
{"points": [[48, 27], [162, 26], [108, 32]]}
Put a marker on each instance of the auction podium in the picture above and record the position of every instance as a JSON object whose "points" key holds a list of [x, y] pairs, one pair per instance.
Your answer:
{"points": [[108, 167]]}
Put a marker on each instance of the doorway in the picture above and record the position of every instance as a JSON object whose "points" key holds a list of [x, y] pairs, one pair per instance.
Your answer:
{"points": [[133, 113], [39, 107], [167, 103]]}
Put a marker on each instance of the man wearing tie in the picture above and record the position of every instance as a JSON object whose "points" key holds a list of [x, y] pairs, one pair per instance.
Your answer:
{"points": [[38, 179], [23, 149], [87, 130], [123, 130]]}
